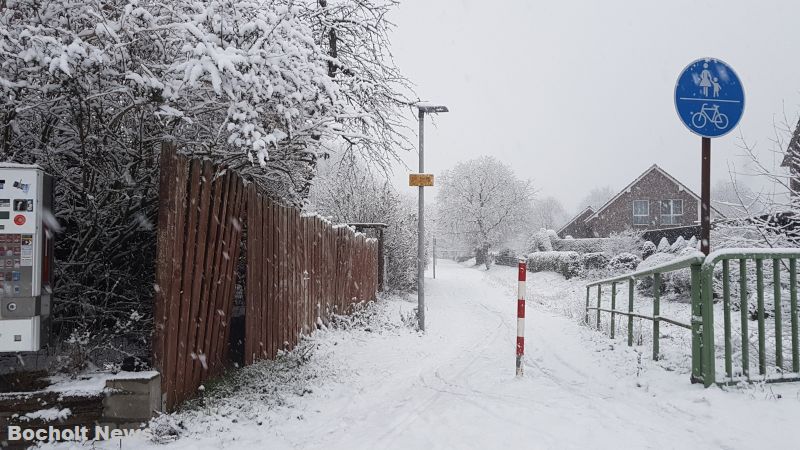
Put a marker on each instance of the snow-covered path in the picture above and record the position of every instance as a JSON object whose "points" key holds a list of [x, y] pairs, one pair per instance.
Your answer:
{"points": [[454, 387]]}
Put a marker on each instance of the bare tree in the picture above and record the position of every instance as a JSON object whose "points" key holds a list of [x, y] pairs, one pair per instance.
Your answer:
{"points": [[482, 203], [548, 213], [734, 199], [596, 198]]}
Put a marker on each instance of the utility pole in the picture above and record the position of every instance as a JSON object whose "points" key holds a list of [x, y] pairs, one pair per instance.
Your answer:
{"points": [[423, 108]]}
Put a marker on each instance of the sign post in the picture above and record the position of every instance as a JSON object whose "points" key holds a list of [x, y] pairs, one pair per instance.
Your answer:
{"points": [[421, 180], [709, 99], [521, 314]]}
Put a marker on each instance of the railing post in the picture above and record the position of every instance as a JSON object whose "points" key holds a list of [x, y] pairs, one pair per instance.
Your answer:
{"points": [[656, 312], [743, 310], [599, 294], [613, 307], [776, 281], [631, 285], [762, 344], [697, 322], [587, 305], [707, 286], [726, 311], [793, 311]]}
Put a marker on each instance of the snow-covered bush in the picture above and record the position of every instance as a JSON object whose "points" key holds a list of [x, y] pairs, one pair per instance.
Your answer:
{"points": [[541, 241], [506, 257], [567, 264], [648, 249], [678, 245], [626, 241], [587, 245], [624, 262], [594, 261], [663, 245]]}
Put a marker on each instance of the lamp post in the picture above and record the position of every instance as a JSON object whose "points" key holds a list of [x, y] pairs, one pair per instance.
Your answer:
{"points": [[423, 108]]}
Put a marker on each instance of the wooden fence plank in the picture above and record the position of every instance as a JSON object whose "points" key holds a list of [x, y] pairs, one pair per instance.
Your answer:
{"points": [[213, 359], [165, 244], [262, 266], [274, 279], [218, 292], [186, 284], [193, 361], [173, 306], [202, 369], [235, 244]]}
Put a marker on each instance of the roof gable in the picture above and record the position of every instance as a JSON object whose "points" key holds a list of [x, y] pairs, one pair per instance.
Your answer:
{"points": [[576, 218], [652, 168], [793, 149]]}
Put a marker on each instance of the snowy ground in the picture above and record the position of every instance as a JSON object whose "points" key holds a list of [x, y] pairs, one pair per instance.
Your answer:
{"points": [[378, 384]]}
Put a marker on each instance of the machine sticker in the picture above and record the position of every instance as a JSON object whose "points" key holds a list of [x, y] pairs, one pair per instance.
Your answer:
{"points": [[22, 186], [5, 202]]}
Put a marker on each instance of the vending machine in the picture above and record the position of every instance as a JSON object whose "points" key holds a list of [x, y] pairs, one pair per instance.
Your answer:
{"points": [[26, 257]]}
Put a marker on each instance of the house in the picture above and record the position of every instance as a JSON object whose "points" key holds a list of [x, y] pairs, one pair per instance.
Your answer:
{"points": [[792, 160], [653, 201], [577, 226]]}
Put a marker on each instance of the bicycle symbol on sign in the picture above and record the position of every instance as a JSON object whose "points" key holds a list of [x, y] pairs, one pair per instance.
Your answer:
{"points": [[709, 113]]}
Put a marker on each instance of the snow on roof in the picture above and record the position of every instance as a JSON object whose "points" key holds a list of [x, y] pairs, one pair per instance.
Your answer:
{"points": [[638, 179], [577, 216], [10, 165]]}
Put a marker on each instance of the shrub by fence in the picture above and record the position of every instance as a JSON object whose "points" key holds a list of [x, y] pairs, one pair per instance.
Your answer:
{"points": [[567, 264], [299, 270]]}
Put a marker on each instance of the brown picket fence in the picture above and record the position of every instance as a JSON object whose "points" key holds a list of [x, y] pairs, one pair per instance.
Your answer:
{"points": [[299, 271]]}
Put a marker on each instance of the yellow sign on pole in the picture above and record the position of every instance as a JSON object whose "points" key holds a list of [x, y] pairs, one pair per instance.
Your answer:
{"points": [[420, 179]]}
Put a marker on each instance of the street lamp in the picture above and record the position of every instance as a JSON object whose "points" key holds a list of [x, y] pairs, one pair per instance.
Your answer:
{"points": [[430, 109]]}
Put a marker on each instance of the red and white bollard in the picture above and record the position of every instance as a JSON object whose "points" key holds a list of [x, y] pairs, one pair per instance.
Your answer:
{"points": [[521, 316]]}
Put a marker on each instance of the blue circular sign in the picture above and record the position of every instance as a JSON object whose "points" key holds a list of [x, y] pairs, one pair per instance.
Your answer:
{"points": [[709, 98]]}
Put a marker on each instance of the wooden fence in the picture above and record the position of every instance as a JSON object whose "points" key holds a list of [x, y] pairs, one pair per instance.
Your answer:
{"points": [[299, 271]]}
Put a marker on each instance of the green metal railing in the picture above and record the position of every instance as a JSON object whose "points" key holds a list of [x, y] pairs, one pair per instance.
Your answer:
{"points": [[702, 310]]}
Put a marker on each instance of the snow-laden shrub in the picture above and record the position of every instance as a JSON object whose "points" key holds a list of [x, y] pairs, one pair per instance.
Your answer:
{"points": [[567, 264], [648, 249], [678, 245], [506, 257], [626, 241], [693, 243], [663, 245], [540, 241], [594, 261], [583, 245], [678, 282], [624, 262]]}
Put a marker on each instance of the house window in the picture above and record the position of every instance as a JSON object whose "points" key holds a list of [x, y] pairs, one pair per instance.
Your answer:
{"points": [[671, 212], [641, 212]]}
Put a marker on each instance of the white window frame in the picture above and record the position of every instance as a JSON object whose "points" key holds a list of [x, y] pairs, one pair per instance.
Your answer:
{"points": [[636, 217], [672, 217]]}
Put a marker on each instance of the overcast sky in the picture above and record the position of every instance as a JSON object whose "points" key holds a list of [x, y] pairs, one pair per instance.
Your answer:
{"points": [[579, 94]]}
